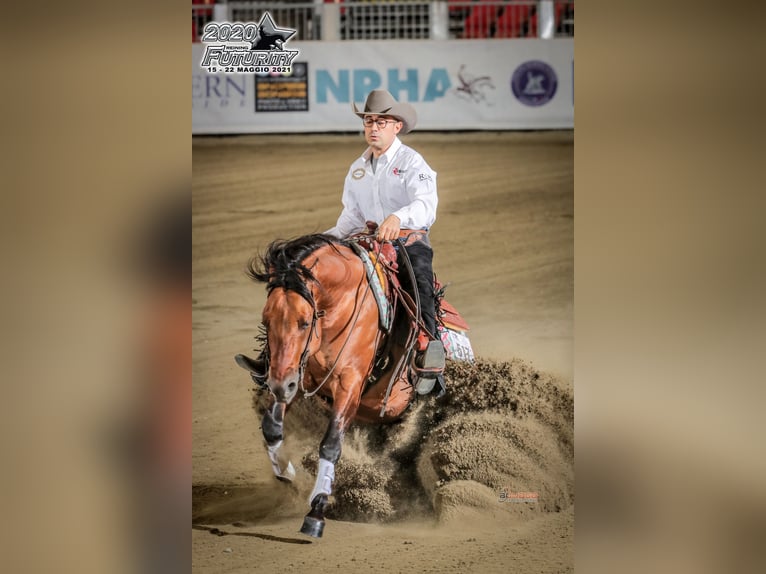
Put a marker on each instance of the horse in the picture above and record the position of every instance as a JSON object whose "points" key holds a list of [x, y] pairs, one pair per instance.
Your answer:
{"points": [[323, 337]]}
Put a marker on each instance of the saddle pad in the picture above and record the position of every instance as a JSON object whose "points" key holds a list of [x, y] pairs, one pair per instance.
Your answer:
{"points": [[384, 307], [450, 317]]}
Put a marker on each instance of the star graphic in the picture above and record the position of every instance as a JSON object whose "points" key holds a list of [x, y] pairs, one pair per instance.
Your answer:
{"points": [[269, 36]]}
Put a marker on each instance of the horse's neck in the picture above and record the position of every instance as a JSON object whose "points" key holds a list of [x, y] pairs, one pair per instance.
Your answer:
{"points": [[338, 275], [336, 269]]}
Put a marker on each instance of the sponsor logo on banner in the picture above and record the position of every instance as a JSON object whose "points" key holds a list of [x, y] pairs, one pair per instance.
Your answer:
{"points": [[219, 92], [534, 83], [281, 92], [247, 47], [472, 87], [352, 85]]}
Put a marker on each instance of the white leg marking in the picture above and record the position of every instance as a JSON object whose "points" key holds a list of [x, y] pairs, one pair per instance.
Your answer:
{"points": [[286, 472], [325, 477]]}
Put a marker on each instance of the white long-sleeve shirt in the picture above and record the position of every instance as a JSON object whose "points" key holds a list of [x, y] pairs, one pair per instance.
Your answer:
{"points": [[403, 184]]}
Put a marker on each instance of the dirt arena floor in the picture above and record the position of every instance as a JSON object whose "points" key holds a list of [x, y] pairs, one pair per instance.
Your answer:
{"points": [[436, 492]]}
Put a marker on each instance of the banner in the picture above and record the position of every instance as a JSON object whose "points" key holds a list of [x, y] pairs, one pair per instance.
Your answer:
{"points": [[453, 84]]}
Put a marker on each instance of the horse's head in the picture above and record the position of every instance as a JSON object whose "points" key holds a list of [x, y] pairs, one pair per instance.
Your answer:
{"points": [[290, 322], [290, 315]]}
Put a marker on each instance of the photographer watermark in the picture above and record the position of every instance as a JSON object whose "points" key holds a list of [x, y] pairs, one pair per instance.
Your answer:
{"points": [[507, 495]]}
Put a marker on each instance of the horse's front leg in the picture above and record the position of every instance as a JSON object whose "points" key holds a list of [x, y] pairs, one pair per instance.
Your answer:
{"points": [[272, 426], [329, 454]]}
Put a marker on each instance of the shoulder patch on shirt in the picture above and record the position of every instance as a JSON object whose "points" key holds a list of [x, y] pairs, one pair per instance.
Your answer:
{"points": [[424, 176], [358, 173]]}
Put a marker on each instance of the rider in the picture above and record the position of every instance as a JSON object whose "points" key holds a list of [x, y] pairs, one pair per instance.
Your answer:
{"points": [[392, 185]]}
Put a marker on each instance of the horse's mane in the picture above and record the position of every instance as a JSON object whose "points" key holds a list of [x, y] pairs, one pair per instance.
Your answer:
{"points": [[281, 265]]}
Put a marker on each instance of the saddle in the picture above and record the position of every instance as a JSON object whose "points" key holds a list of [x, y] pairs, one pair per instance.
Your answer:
{"points": [[382, 268]]}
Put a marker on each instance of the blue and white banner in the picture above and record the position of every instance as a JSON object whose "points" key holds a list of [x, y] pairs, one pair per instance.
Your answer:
{"points": [[453, 84]]}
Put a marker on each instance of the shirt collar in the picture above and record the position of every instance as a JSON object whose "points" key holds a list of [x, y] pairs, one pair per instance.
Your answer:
{"points": [[390, 152]]}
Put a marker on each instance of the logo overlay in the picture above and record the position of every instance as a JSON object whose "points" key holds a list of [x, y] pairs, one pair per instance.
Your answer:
{"points": [[237, 48], [358, 173], [534, 83]]}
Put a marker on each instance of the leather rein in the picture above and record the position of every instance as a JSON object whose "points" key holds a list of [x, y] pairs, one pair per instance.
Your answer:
{"points": [[316, 315]]}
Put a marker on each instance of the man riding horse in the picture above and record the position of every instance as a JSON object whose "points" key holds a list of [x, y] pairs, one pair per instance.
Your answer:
{"points": [[324, 329], [391, 185]]}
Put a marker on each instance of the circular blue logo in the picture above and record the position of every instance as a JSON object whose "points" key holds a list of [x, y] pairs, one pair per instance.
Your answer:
{"points": [[534, 83]]}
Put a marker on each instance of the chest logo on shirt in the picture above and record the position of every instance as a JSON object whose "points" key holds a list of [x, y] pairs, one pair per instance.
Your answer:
{"points": [[358, 173], [398, 171]]}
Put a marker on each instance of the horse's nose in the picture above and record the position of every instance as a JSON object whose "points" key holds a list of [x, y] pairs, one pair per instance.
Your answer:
{"points": [[291, 390], [284, 393]]}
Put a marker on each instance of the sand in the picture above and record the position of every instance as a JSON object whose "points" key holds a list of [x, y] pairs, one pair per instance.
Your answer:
{"points": [[479, 481]]}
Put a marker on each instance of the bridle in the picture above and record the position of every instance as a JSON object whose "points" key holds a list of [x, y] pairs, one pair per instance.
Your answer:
{"points": [[315, 316], [412, 308]]}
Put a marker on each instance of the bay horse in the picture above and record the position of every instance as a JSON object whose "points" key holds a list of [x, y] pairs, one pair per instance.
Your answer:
{"points": [[322, 335]]}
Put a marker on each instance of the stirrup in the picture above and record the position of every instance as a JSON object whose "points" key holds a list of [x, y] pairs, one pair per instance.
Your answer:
{"points": [[428, 366], [425, 386]]}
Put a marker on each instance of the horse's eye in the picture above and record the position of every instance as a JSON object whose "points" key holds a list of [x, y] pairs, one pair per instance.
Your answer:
{"points": [[303, 325]]}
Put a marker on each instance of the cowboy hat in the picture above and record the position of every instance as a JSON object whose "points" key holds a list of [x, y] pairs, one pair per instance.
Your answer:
{"points": [[382, 103]]}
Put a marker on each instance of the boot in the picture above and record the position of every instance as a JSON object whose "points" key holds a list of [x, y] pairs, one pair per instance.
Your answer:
{"points": [[432, 358], [429, 365]]}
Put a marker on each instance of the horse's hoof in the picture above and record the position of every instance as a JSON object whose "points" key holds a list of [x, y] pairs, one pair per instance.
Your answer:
{"points": [[312, 527]]}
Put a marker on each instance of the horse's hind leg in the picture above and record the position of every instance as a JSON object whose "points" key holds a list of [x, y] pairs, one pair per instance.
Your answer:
{"points": [[272, 426]]}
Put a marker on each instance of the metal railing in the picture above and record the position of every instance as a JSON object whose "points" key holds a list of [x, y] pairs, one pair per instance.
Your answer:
{"points": [[201, 15], [305, 17], [385, 20], [400, 19]]}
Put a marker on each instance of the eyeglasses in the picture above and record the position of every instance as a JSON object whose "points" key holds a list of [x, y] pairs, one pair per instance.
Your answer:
{"points": [[381, 122]]}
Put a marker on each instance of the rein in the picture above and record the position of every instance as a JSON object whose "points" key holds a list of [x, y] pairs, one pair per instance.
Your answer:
{"points": [[304, 356], [412, 310]]}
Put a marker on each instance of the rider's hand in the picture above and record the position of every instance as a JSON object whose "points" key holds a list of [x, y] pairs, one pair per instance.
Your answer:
{"points": [[389, 229]]}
